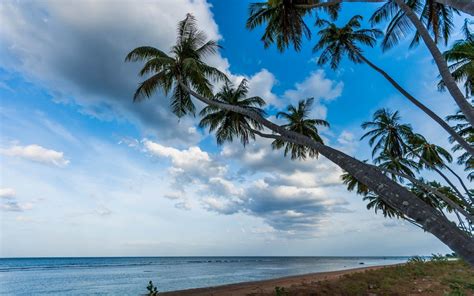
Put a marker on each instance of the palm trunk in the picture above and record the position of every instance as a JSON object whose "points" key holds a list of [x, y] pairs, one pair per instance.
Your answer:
{"points": [[464, 105], [391, 192], [420, 105]]}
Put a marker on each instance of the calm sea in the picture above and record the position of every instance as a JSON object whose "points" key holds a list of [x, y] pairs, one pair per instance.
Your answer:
{"points": [[130, 275]]}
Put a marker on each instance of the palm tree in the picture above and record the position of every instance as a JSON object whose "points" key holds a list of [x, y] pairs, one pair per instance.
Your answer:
{"points": [[184, 64], [335, 42], [466, 131], [429, 155], [299, 122], [229, 124], [387, 133], [397, 164], [285, 21], [391, 192], [461, 55], [436, 17], [378, 204]]}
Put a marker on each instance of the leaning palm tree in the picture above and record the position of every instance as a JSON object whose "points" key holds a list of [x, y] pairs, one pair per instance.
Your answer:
{"points": [[387, 133], [336, 42], [390, 191], [461, 57], [436, 17], [228, 124], [299, 122], [185, 63], [429, 155]]}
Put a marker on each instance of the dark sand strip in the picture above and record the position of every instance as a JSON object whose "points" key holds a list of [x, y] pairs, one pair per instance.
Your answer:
{"points": [[268, 286]]}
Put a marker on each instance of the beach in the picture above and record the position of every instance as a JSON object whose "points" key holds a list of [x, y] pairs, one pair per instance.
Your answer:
{"points": [[420, 278], [268, 286]]}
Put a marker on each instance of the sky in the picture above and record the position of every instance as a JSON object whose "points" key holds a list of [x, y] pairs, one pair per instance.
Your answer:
{"points": [[87, 172]]}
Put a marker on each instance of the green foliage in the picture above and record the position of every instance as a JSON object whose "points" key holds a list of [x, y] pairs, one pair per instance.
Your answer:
{"points": [[430, 277], [437, 18], [285, 24], [229, 124], [185, 66], [298, 121], [152, 290], [336, 42], [280, 291], [438, 258], [416, 260]]}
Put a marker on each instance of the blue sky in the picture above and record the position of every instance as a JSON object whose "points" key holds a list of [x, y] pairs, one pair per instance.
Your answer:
{"points": [[86, 172]]}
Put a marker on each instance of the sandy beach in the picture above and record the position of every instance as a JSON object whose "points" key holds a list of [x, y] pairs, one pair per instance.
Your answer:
{"points": [[268, 286]]}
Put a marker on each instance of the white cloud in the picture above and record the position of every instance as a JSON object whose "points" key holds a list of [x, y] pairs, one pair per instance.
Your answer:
{"points": [[7, 193], [38, 154], [316, 86]]}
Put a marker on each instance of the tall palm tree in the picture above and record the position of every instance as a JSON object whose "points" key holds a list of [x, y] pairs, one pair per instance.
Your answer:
{"points": [[299, 122], [335, 42], [228, 124], [436, 17], [461, 57], [387, 133], [285, 21], [391, 192], [185, 64]]}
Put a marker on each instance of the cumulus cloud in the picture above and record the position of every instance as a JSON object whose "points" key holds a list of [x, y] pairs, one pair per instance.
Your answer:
{"points": [[9, 202], [38, 154], [87, 67], [290, 196]]}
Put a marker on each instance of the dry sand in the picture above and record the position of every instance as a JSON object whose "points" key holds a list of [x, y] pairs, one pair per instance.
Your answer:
{"points": [[267, 286]]}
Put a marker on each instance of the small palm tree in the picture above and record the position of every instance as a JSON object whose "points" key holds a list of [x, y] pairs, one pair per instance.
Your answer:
{"points": [[434, 200], [461, 57], [387, 133], [184, 66], [285, 21], [429, 154], [299, 122], [228, 124], [436, 17]]}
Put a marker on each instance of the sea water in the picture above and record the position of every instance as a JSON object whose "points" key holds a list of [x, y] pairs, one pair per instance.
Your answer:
{"points": [[130, 275]]}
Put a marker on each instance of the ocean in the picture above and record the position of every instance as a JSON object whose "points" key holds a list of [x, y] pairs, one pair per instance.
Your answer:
{"points": [[130, 275]]}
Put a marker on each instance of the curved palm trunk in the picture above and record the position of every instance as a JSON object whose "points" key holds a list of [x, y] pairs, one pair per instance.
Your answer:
{"points": [[448, 79], [420, 105], [392, 193]]}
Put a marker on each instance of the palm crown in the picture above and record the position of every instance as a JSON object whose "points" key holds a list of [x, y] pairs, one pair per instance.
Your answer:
{"points": [[461, 55], [436, 17], [335, 42], [184, 66], [228, 124], [387, 133], [285, 21], [298, 121]]}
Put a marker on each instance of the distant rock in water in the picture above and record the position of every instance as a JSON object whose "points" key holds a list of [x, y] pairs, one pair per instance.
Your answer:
{"points": [[361, 263]]}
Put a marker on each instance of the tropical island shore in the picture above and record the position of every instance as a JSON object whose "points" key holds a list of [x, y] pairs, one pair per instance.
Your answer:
{"points": [[419, 278]]}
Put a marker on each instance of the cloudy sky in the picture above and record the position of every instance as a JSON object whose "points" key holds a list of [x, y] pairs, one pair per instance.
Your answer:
{"points": [[86, 172]]}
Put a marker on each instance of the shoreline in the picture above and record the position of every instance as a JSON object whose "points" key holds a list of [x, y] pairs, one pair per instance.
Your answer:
{"points": [[268, 286]]}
